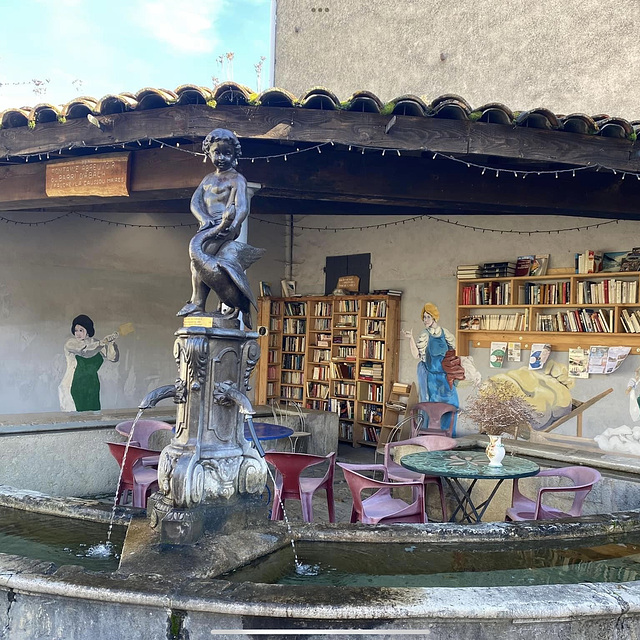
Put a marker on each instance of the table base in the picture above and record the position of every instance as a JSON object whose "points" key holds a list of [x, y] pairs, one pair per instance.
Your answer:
{"points": [[470, 511]]}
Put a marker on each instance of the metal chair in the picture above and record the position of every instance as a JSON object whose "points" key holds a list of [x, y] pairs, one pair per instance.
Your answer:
{"points": [[142, 431], [280, 417], [434, 412], [523, 508], [396, 471], [138, 478], [391, 434], [381, 507], [289, 485]]}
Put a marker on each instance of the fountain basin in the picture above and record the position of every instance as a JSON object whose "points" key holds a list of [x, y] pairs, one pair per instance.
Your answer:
{"points": [[162, 587]]}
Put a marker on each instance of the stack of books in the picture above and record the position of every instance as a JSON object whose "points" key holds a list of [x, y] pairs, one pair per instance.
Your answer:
{"points": [[498, 269], [370, 371], [468, 271]]}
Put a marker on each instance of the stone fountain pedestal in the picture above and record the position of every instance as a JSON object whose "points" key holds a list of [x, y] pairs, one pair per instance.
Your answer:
{"points": [[210, 473]]}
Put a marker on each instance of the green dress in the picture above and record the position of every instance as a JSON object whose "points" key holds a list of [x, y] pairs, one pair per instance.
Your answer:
{"points": [[85, 388]]}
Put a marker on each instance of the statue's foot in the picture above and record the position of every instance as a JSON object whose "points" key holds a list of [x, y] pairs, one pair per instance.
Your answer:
{"points": [[189, 308]]}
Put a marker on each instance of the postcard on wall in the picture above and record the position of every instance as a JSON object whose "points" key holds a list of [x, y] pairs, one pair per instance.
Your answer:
{"points": [[598, 359], [578, 363], [514, 352], [615, 358], [539, 355], [539, 265], [497, 354]]}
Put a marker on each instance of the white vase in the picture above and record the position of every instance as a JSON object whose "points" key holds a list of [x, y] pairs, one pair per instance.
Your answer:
{"points": [[495, 451]]}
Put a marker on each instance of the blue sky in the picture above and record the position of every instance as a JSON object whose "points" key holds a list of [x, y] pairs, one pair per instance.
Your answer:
{"points": [[97, 47]]}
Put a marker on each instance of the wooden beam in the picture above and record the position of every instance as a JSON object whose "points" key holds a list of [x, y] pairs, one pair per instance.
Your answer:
{"points": [[160, 175], [315, 126]]}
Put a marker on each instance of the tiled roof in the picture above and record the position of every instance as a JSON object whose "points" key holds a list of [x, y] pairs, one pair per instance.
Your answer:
{"points": [[447, 106]]}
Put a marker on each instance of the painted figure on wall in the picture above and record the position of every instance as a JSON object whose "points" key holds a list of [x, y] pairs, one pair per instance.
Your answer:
{"points": [[80, 386], [438, 366], [220, 204]]}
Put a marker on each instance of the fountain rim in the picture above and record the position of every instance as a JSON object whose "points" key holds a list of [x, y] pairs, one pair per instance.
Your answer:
{"points": [[219, 596]]}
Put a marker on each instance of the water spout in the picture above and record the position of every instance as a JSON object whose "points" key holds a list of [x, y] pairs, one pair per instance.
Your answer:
{"points": [[228, 392], [161, 393]]}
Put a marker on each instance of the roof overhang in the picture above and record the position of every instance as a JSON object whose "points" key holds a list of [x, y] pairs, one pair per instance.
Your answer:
{"points": [[390, 163]]}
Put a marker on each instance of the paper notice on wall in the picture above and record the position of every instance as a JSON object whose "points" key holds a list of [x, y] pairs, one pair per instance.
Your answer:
{"points": [[578, 363], [514, 352], [598, 359], [615, 358], [497, 354]]}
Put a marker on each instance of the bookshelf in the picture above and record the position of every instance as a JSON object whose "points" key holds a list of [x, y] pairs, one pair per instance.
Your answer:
{"points": [[332, 353], [566, 311]]}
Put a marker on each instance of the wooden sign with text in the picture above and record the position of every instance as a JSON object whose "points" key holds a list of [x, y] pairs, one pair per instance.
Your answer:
{"points": [[349, 283], [106, 176]]}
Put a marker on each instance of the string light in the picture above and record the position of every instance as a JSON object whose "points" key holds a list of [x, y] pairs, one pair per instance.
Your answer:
{"points": [[436, 219], [350, 147]]}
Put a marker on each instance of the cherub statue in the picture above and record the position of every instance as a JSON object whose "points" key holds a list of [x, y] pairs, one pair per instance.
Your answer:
{"points": [[220, 205]]}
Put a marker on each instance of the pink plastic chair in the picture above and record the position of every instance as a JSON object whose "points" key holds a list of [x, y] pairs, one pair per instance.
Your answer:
{"points": [[583, 478], [142, 431], [381, 507], [396, 471], [289, 485], [434, 412], [137, 477]]}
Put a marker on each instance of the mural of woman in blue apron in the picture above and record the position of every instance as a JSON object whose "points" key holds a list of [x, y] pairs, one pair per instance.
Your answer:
{"points": [[80, 386], [431, 349]]}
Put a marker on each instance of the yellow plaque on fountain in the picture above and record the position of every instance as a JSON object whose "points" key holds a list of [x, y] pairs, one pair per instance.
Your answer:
{"points": [[198, 321]]}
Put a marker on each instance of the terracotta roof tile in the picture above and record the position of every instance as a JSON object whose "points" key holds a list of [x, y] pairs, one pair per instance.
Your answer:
{"points": [[447, 106]]}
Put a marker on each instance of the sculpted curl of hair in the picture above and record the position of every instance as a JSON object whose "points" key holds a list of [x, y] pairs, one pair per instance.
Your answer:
{"points": [[222, 135]]}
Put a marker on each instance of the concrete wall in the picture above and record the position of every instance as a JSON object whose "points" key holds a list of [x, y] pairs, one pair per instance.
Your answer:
{"points": [[570, 56], [51, 273], [420, 258]]}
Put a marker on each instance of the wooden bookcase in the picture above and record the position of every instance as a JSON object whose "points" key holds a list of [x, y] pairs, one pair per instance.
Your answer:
{"points": [[565, 311], [332, 353]]}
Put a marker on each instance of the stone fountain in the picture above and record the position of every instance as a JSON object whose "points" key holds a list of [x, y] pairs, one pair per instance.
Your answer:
{"points": [[210, 472]]}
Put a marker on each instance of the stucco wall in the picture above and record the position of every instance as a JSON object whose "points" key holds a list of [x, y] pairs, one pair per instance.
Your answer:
{"points": [[420, 258], [51, 273], [570, 56]]}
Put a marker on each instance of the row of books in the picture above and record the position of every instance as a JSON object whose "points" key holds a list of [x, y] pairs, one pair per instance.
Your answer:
{"points": [[544, 293], [373, 392], [486, 293], [344, 408], [495, 322], [588, 261], [630, 321], [608, 291], [371, 413], [315, 390], [577, 320]]}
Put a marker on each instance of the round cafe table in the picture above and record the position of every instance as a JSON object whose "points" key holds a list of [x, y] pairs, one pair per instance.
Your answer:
{"points": [[268, 431], [455, 465]]}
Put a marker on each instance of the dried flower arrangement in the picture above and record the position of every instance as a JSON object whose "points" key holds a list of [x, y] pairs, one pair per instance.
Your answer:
{"points": [[498, 407]]}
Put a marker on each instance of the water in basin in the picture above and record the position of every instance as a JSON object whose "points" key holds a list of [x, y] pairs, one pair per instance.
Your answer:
{"points": [[57, 539], [422, 565]]}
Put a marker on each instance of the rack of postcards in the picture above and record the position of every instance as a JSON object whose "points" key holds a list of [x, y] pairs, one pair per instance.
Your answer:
{"points": [[334, 353]]}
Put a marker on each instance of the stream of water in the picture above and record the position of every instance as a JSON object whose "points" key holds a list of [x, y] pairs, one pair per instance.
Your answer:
{"points": [[105, 549]]}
